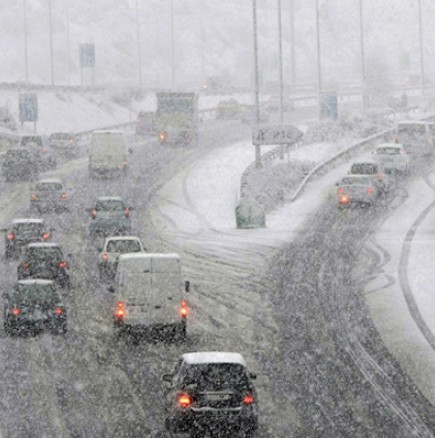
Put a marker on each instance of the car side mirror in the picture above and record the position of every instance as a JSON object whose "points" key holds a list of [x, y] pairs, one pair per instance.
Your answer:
{"points": [[111, 288], [130, 151], [187, 286], [3, 229], [253, 376], [337, 184], [167, 378], [5, 295], [100, 249]]}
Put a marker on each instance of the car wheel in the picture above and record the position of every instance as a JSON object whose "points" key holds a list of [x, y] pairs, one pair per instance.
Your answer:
{"points": [[180, 332], [9, 331], [60, 329]]}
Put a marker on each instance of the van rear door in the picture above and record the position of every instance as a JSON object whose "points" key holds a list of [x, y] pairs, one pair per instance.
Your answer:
{"points": [[167, 290]]}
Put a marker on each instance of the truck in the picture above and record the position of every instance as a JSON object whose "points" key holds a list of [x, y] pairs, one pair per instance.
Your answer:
{"points": [[177, 118]]}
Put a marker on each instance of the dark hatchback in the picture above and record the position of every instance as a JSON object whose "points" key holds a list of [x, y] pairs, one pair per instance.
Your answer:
{"points": [[21, 232], [20, 164], [211, 393], [34, 305], [45, 261]]}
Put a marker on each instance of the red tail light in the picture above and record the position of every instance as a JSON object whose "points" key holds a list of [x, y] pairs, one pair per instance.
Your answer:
{"points": [[120, 311], [33, 197], [105, 257], [184, 400], [94, 213], [184, 309], [370, 191], [64, 196], [340, 190], [127, 212], [11, 236], [45, 236], [380, 176], [58, 311], [25, 265], [162, 136], [16, 311], [125, 163], [248, 399], [63, 265], [344, 199], [44, 149]]}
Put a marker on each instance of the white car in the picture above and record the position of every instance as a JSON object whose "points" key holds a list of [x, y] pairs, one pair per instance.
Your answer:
{"points": [[393, 157], [113, 247]]}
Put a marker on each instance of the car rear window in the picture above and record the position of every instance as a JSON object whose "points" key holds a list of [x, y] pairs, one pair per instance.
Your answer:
{"points": [[45, 254], [61, 136], [110, 205], [355, 181], [46, 187], [389, 151], [17, 153], [35, 293], [123, 246], [33, 139], [215, 376], [364, 169], [32, 229]]}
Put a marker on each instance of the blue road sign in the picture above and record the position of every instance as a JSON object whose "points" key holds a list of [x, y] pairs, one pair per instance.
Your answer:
{"points": [[28, 107], [87, 55]]}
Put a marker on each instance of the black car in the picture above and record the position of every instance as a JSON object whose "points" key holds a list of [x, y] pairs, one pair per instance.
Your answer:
{"points": [[20, 164], [46, 261], [39, 146], [34, 305], [211, 392], [21, 232]]}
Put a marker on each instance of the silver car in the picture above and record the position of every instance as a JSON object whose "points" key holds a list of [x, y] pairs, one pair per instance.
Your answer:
{"points": [[49, 195], [356, 190], [393, 157]]}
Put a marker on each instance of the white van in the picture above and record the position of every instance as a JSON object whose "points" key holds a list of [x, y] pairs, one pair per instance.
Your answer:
{"points": [[107, 154], [149, 293], [416, 136]]}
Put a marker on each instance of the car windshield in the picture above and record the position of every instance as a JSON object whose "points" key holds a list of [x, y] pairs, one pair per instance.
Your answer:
{"points": [[215, 376], [32, 139], [61, 136], [46, 187], [363, 169], [28, 229], [123, 246], [41, 255], [411, 129], [35, 293], [110, 205], [354, 181], [389, 151]]}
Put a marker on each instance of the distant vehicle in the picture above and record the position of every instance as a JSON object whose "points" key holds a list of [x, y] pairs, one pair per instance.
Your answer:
{"points": [[65, 144], [113, 247], [149, 294], [177, 118], [45, 261], [393, 157], [110, 217], [40, 147], [107, 154], [417, 137], [229, 109], [211, 392], [356, 190], [20, 164], [49, 195], [145, 123], [34, 305], [21, 232], [375, 171]]}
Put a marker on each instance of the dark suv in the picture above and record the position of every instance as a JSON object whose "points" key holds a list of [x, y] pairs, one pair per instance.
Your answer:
{"points": [[21, 232], [211, 392], [20, 164], [39, 146], [44, 260], [34, 305]]}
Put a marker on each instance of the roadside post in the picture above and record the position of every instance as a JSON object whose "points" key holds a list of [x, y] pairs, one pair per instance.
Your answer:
{"points": [[87, 60]]}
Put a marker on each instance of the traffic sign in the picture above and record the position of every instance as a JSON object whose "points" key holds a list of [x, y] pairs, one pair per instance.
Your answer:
{"points": [[28, 107], [87, 55], [280, 134]]}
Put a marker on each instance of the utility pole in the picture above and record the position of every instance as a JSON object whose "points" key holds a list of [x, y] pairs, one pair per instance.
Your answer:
{"points": [[26, 52], [50, 23], [319, 61], [139, 46], [281, 79], [257, 82], [172, 46], [68, 41], [420, 31], [292, 42], [362, 54]]}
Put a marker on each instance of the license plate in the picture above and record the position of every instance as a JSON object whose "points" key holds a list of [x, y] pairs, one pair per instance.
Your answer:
{"points": [[218, 397], [37, 314]]}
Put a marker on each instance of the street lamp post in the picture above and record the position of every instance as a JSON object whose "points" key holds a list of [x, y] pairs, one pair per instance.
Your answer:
{"points": [[172, 46], [50, 23], [319, 61], [292, 41], [420, 31], [139, 49], [26, 53], [257, 82], [281, 79], [363, 69]]}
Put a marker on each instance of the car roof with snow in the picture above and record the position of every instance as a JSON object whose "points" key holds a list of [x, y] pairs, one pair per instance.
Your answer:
{"points": [[39, 281], [43, 245], [143, 255], [50, 181], [28, 221], [123, 238], [205, 357], [109, 198], [390, 145]]}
